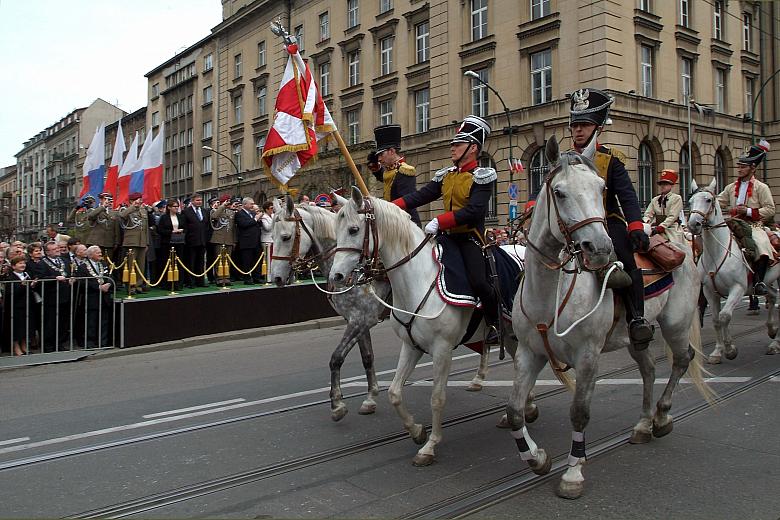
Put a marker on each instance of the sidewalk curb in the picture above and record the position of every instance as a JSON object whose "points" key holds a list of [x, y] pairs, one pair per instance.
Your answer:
{"points": [[237, 335]]}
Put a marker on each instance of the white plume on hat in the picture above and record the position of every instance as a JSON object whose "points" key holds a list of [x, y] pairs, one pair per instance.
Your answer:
{"points": [[764, 145]]}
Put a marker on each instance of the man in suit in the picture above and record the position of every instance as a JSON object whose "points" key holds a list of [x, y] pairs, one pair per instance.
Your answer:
{"points": [[56, 293], [248, 227], [98, 298], [69, 259], [195, 221]]}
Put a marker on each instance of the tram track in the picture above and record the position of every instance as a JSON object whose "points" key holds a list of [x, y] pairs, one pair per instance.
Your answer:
{"points": [[211, 486]]}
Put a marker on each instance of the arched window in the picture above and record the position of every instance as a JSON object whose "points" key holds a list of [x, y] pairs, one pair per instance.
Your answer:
{"points": [[646, 172], [686, 174], [538, 171], [486, 162], [720, 170]]}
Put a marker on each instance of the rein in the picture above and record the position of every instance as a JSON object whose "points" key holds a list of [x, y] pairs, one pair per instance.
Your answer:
{"points": [[307, 263]]}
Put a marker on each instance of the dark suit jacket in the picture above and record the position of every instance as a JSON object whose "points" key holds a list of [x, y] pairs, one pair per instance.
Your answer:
{"points": [[48, 289], [196, 232], [248, 230], [70, 268], [93, 294]]}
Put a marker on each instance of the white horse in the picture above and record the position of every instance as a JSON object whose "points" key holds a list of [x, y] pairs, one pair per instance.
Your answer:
{"points": [[724, 272], [423, 322], [567, 240]]}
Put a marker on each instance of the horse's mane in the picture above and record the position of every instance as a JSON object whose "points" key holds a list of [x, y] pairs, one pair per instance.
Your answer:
{"points": [[322, 221], [395, 225]]}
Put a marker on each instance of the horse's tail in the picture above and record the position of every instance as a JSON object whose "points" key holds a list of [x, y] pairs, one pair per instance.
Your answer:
{"points": [[695, 368]]}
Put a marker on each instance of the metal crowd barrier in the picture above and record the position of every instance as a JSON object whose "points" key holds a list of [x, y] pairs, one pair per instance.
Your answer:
{"points": [[54, 316]]}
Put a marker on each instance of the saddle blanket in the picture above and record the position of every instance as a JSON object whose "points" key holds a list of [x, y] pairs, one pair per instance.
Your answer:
{"points": [[453, 286], [655, 284]]}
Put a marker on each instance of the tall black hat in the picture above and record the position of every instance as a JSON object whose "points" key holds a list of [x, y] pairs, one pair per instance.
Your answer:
{"points": [[386, 137], [589, 105], [755, 154], [473, 130]]}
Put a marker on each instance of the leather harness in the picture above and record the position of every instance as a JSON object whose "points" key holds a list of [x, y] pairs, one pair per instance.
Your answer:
{"points": [[306, 263]]}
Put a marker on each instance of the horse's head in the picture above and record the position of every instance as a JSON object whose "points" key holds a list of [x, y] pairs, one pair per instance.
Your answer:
{"points": [[574, 197], [354, 239], [290, 243], [705, 210]]}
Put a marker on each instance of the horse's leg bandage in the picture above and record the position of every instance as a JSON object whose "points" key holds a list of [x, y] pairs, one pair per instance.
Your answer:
{"points": [[577, 448], [525, 444]]}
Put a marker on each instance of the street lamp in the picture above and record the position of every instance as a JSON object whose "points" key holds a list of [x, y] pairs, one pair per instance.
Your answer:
{"points": [[474, 75], [700, 107], [238, 177]]}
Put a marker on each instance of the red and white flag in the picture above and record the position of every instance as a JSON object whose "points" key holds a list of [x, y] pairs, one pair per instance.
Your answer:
{"points": [[116, 161], [301, 121]]}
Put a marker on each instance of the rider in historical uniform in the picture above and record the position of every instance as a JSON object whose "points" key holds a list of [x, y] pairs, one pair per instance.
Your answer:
{"points": [[390, 168], [466, 190], [750, 200], [223, 225], [663, 212], [589, 114]]}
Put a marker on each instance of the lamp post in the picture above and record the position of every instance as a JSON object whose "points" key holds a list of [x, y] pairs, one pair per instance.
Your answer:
{"points": [[512, 200], [753, 108], [690, 101], [238, 177]]}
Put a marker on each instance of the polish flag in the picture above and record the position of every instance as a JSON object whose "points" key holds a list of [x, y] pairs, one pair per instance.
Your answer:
{"points": [[95, 164], [130, 166], [153, 169], [116, 161]]}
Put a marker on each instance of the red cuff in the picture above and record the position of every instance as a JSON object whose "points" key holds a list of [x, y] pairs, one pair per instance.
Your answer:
{"points": [[755, 215], [400, 202], [447, 220], [636, 225], [660, 229], [530, 204], [733, 212]]}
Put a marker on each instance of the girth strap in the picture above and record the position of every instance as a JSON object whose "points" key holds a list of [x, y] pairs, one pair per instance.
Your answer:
{"points": [[408, 325]]}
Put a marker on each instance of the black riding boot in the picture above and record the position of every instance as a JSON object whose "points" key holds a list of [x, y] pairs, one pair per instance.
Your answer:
{"points": [[490, 312], [640, 331], [759, 287]]}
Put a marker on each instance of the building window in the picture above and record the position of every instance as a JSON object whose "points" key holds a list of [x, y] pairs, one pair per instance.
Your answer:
{"points": [[167, 143], [189, 103], [422, 41], [325, 78], [353, 60], [261, 95], [155, 90], [353, 126], [646, 6], [299, 38], [541, 76], [175, 109], [720, 171], [479, 94], [717, 19], [189, 136], [261, 53], [167, 112], [385, 5], [174, 141], [686, 74], [647, 70], [749, 86], [538, 172], [259, 144], [720, 90], [208, 62], [422, 110], [237, 116], [478, 19], [386, 112], [747, 30], [353, 14], [237, 155], [539, 8], [207, 132], [645, 174], [207, 165], [686, 174], [207, 94], [685, 12], [155, 118], [324, 27], [238, 68], [182, 142], [386, 55]]}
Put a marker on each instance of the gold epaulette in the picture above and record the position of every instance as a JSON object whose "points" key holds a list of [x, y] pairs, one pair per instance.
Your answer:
{"points": [[618, 154], [407, 169]]}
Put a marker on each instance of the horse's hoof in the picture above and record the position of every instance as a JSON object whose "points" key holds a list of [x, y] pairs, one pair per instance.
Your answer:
{"points": [[339, 412], [367, 408], [542, 464], [533, 415], [419, 434], [640, 437], [503, 423], [731, 354], [773, 349], [714, 360], [474, 387], [666, 429], [570, 490], [422, 460]]}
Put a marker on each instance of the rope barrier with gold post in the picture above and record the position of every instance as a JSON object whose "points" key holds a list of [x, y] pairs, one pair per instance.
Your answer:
{"points": [[132, 279], [173, 274], [223, 269]]}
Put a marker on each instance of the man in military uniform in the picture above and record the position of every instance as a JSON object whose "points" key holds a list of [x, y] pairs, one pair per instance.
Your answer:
{"points": [[135, 222], [390, 168], [466, 191], [223, 227], [78, 216], [589, 113], [102, 220], [750, 200], [663, 212]]}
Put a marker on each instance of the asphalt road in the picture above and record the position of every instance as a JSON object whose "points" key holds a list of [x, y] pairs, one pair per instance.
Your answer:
{"points": [[242, 429]]}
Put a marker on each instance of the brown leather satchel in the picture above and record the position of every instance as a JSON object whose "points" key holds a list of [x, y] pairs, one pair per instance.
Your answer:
{"points": [[774, 240], [665, 254]]}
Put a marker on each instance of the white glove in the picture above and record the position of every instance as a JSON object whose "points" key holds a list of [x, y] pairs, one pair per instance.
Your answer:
{"points": [[432, 227]]}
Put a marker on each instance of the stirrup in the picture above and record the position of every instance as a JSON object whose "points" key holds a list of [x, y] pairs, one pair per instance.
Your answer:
{"points": [[618, 279], [760, 289], [640, 331], [492, 337]]}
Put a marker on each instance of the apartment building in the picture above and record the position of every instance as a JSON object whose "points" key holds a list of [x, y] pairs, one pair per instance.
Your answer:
{"points": [[8, 202], [403, 61]]}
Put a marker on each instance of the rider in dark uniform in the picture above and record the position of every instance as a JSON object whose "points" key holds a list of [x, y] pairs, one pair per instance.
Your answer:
{"points": [[465, 190], [390, 168], [589, 114]]}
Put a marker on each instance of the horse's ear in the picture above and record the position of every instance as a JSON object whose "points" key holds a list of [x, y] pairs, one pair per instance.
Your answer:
{"points": [[357, 197], [277, 206], [339, 199], [694, 186], [713, 185], [551, 151], [290, 204]]}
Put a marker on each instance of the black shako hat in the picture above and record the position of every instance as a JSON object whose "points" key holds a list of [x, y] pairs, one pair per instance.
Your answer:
{"points": [[473, 130], [589, 105], [386, 137], [755, 154]]}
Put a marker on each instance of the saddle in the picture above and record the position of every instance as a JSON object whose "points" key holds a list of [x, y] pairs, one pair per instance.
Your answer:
{"points": [[657, 265]]}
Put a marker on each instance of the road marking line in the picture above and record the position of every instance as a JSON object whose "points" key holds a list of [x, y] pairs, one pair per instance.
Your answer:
{"points": [[14, 441], [192, 408], [418, 365], [775, 379], [555, 382]]}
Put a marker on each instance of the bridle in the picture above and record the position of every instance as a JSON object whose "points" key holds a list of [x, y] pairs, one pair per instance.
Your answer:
{"points": [[706, 216], [570, 248], [303, 265]]}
